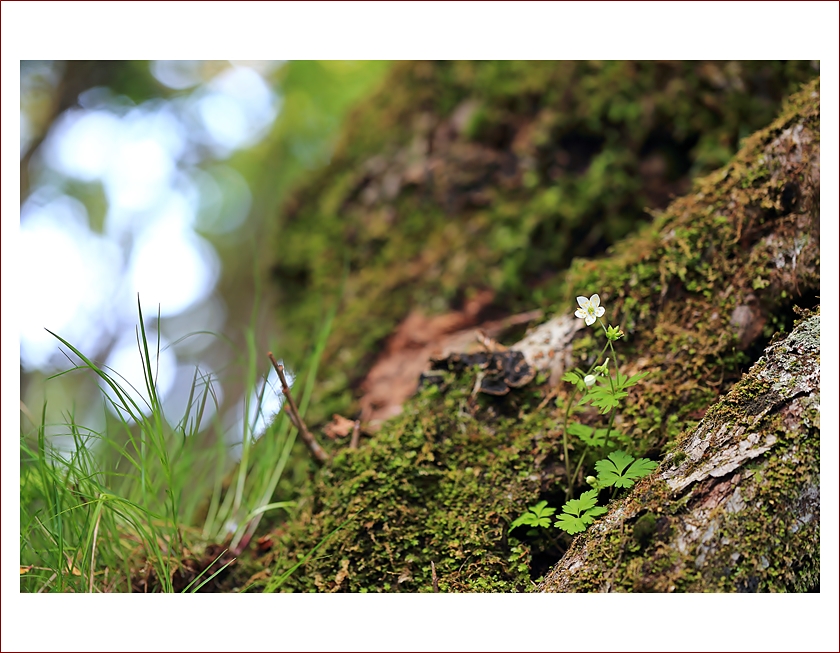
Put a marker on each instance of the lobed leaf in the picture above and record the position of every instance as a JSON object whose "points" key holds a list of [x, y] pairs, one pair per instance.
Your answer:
{"points": [[537, 515], [620, 469]]}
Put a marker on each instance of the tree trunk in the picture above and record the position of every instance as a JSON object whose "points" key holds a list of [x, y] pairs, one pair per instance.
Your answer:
{"points": [[735, 508], [699, 293]]}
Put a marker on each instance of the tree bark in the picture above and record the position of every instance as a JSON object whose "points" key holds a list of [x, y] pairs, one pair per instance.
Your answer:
{"points": [[735, 508]]}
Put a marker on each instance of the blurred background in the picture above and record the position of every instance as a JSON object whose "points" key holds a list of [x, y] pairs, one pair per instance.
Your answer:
{"points": [[157, 180]]}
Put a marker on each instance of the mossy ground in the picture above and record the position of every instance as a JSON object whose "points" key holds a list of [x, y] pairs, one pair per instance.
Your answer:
{"points": [[441, 482]]}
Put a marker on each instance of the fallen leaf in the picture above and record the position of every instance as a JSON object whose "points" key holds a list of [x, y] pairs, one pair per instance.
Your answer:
{"points": [[395, 375], [340, 427]]}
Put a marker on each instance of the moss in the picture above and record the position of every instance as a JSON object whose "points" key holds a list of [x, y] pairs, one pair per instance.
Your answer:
{"points": [[419, 494], [524, 165], [441, 482]]}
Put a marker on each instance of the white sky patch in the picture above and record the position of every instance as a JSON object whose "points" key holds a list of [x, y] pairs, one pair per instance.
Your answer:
{"points": [[236, 108], [153, 210], [224, 120], [71, 278], [81, 143], [126, 368], [158, 121], [260, 414], [171, 267], [174, 211], [139, 173]]}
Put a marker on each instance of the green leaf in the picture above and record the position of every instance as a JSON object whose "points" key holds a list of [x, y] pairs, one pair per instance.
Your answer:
{"points": [[624, 382], [570, 524], [579, 513], [579, 430], [576, 506], [620, 469], [591, 436], [576, 377], [641, 468], [604, 399], [597, 511], [571, 377], [537, 515]]}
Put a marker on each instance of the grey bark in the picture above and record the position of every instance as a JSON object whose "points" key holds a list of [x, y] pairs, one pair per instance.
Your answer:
{"points": [[736, 506]]}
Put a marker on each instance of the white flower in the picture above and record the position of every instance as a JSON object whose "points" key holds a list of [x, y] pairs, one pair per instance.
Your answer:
{"points": [[590, 309], [589, 380]]}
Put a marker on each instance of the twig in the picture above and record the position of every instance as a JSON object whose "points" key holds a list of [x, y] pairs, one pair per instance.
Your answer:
{"points": [[314, 448], [354, 438], [291, 416], [435, 587]]}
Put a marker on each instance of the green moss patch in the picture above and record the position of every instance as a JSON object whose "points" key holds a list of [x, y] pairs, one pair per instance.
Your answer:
{"points": [[461, 176], [441, 482]]}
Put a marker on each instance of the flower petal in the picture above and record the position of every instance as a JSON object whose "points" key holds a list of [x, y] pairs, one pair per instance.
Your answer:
{"points": [[595, 300], [582, 301], [580, 313], [589, 319], [599, 311]]}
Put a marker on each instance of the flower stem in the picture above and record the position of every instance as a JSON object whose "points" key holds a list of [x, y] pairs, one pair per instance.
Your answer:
{"points": [[612, 387], [580, 461], [566, 462]]}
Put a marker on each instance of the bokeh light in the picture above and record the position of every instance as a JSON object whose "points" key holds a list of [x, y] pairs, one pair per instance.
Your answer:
{"points": [[140, 191]]}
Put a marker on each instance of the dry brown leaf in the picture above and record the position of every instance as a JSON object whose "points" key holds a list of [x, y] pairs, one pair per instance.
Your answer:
{"points": [[395, 375], [340, 427]]}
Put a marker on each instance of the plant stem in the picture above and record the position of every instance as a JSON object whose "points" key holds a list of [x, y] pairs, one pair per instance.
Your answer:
{"points": [[580, 462], [571, 478], [566, 462], [612, 387]]}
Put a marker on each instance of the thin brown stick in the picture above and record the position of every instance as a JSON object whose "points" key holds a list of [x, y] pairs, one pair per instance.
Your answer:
{"points": [[291, 416], [354, 438], [309, 440], [435, 587]]}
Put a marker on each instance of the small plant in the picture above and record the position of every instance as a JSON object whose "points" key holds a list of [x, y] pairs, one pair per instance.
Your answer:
{"points": [[579, 513], [604, 390], [538, 515], [620, 469]]}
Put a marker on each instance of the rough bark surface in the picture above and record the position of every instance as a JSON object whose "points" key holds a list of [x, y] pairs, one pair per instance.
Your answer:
{"points": [[699, 294], [735, 508]]}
